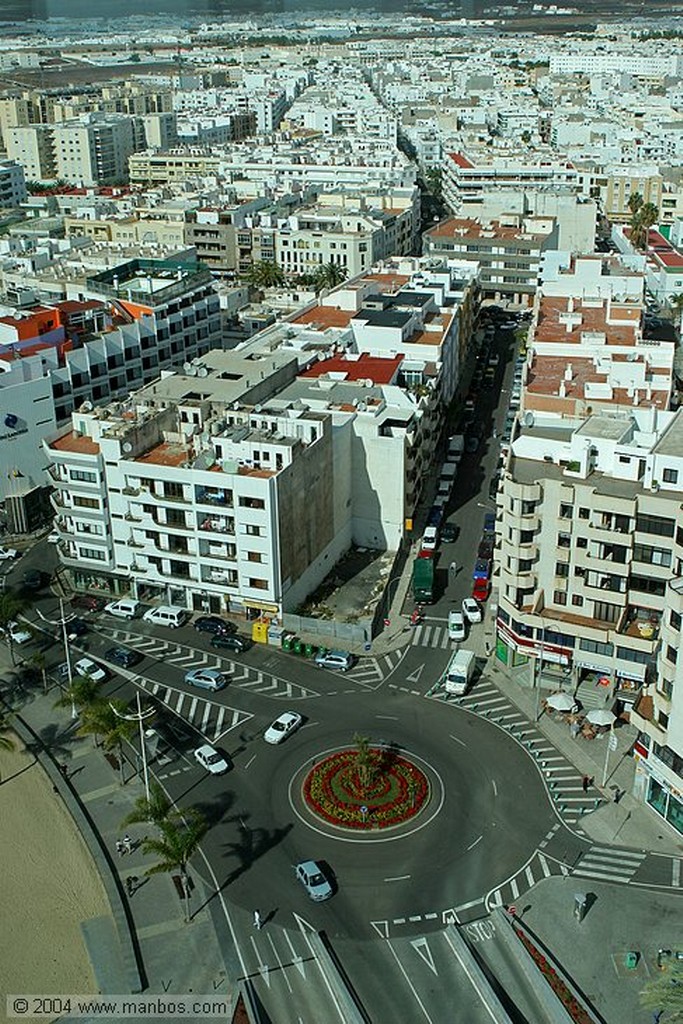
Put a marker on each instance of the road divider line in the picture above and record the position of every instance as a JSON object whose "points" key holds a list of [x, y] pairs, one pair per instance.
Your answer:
{"points": [[397, 878], [472, 845]]}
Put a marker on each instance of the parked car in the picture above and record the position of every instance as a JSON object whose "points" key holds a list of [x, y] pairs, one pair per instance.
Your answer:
{"points": [[471, 610], [53, 538], [482, 569], [481, 590], [490, 522], [209, 758], [7, 554], [18, 633], [456, 626], [282, 727], [430, 538], [124, 608], [76, 627], [485, 549], [212, 624], [340, 661], [312, 877], [123, 656], [34, 579], [88, 667], [230, 642], [435, 515], [205, 678], [88, 602]]}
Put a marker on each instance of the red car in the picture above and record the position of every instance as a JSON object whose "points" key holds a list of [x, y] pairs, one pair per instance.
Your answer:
{"points": [[481, 590]]}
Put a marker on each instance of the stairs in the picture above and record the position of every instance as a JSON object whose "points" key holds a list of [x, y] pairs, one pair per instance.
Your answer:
{"points": [[591, 695]]}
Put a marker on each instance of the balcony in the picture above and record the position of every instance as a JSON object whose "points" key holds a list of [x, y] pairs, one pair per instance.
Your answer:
{"points": [[643, 623], [214, 497], [130, 491], [213, 524]]}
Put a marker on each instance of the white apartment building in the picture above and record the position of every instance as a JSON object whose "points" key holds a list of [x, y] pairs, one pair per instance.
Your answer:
{"points": [[465, 178], [592, 63], [32, 147], [132, 329], [12, 184], [590, 555]]}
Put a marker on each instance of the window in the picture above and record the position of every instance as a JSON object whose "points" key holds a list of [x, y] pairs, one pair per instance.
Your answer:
{"points": [[653, 556], [647, 585], [582, 542], [254, 556], [663, 720], [667, 688], [253, 531], [84, 476], [562, 569], [595, 647], [564, 540], [528, 507], [559, 597], [579, 571], [566, 511], [605, 612], [638, 657], [675, 620], [93, 554], [671, 654], [524, 565], [526, 536], [81, 502], [252, 502], [172, 490], [670, 476], [657, 525], [257, 584], [577, 600]]}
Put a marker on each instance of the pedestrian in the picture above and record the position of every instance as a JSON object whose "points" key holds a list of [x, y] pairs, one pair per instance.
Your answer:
{"points": [[119, 847], [591, 780], [131, 884], [453, 568], [127, 843], [585, 783], [257, 920], [64, 769]]}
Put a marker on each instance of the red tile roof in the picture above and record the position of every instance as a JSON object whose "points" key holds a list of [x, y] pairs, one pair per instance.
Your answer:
{"points": [[460, 159], [374, 368]]}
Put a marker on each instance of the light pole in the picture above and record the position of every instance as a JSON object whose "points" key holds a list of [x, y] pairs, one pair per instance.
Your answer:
{"points": [[62, 621], [139, 717]]}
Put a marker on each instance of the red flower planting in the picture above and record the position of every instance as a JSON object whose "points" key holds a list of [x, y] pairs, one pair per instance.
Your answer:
{"points": [[571, 1004], [390, 787]]}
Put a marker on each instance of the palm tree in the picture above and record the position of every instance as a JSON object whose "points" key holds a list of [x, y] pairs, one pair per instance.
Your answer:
{"points": [[365, 761], [82, 692], [37, 660], [328, 275], [645, 216], [155, 810], [102, 719], [10, 606], [175, 847], [676, 303], [265, 274], [665, 992], [635, 201]]}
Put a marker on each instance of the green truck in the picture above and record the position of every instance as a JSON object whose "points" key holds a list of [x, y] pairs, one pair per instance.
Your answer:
{"points": [[423, 580]]}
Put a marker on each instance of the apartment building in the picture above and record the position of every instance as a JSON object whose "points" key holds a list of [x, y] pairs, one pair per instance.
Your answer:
{"points": [[590, 556], [32, 147], [612, 185], [138, 320], [465, 177], [508, 251], [178, 497], [12, 184]]}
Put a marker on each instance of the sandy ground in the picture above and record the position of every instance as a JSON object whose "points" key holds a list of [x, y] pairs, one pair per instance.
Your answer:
{"points": [[48, 886]]}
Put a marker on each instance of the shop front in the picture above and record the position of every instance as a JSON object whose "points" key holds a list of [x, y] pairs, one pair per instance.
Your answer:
{"points": [[663, 796]]}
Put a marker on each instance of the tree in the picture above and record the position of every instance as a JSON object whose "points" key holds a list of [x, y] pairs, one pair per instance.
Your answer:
{"points": [[665, 992], [642, 220], [526, 137], [265, 274], [635, 201], [82, 692], [102, 719], [434, 182], [676, 303], [328, 275], [37, 660], [156, 810], [175, 847], [365, 762], [10, 606]]}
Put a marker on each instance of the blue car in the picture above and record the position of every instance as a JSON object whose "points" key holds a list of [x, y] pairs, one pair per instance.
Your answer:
{"points": [[490, 522], [482, 569]]}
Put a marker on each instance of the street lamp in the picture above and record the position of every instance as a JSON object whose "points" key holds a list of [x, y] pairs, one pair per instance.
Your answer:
{"points": [[139, 717], [62, 621], [538, 664]]}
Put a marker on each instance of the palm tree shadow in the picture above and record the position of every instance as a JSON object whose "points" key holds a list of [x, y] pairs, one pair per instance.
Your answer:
{"points": [[20, 771], [55, 739]]}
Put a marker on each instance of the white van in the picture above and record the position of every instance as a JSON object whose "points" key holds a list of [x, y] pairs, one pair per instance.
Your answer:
{"points": [[125, 608], [167, 615], [459, 672]]}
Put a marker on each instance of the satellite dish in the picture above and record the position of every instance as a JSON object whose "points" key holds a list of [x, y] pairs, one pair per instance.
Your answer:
{"points": [[87, 407], [127, 447], [187, 367], [528, 420], [202, 372]]}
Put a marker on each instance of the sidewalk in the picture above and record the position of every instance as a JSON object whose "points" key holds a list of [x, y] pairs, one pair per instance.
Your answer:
{"points": [[146, 944]]}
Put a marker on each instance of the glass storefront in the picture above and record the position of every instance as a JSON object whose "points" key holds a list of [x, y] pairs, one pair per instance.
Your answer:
{"points": [[666, 804]]}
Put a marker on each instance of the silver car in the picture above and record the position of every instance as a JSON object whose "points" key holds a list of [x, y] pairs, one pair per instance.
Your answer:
{"points": [[311, 876], [340, 661], [205, 678]]}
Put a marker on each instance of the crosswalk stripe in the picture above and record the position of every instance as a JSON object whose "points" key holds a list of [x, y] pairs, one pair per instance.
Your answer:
{"points": [[545, 868], [219, 722], [497, 898], [193, 708], [529, 875], [445, 642], [627, 854], [180, 702], [491, 700], [205, 719], [675, 872], [604, 875], [604, 858], [564, 869], [515, 888]]}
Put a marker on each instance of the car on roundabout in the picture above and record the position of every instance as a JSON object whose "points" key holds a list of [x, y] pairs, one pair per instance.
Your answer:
{"points": [[312, 877], [471, 610], [91, 670], [282, 727], [210, 759], [205, 678]]}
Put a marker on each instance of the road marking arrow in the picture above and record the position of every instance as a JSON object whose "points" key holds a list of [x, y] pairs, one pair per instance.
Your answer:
{"points": [[450, 916], [422, 949], [263, 969]]}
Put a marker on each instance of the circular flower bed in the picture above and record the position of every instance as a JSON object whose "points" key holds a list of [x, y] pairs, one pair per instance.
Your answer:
{"points": [[382, 790]]}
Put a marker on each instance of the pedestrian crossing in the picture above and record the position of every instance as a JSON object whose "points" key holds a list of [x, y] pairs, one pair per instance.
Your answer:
{"points": [[210, 719], [371, 672], [429, 634], [538, 867], [564, 783], [609, 864]]}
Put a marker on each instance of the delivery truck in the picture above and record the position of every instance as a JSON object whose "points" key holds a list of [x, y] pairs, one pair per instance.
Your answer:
{"points": [[423, 580], [458, 674]]}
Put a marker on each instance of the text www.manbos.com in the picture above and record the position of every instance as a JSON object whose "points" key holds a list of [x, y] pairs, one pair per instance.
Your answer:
{"points": [[117, 1007]]}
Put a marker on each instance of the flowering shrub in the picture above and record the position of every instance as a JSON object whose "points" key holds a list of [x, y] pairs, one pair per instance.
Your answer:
{"points": [[571, 1004], [396, 791]]}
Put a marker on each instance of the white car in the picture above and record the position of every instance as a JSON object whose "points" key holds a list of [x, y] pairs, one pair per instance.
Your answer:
{"points": [[282, 727], [471, 610], [53, 538], [456, 626], [17, 633], [429, 539], [90, 668], [8, 553], [209, 758]]}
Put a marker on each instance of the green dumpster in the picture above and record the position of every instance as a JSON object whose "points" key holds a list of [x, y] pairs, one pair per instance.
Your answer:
{"points": [[309, 650], [631, 960], [298, 646], [287, 642]]}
